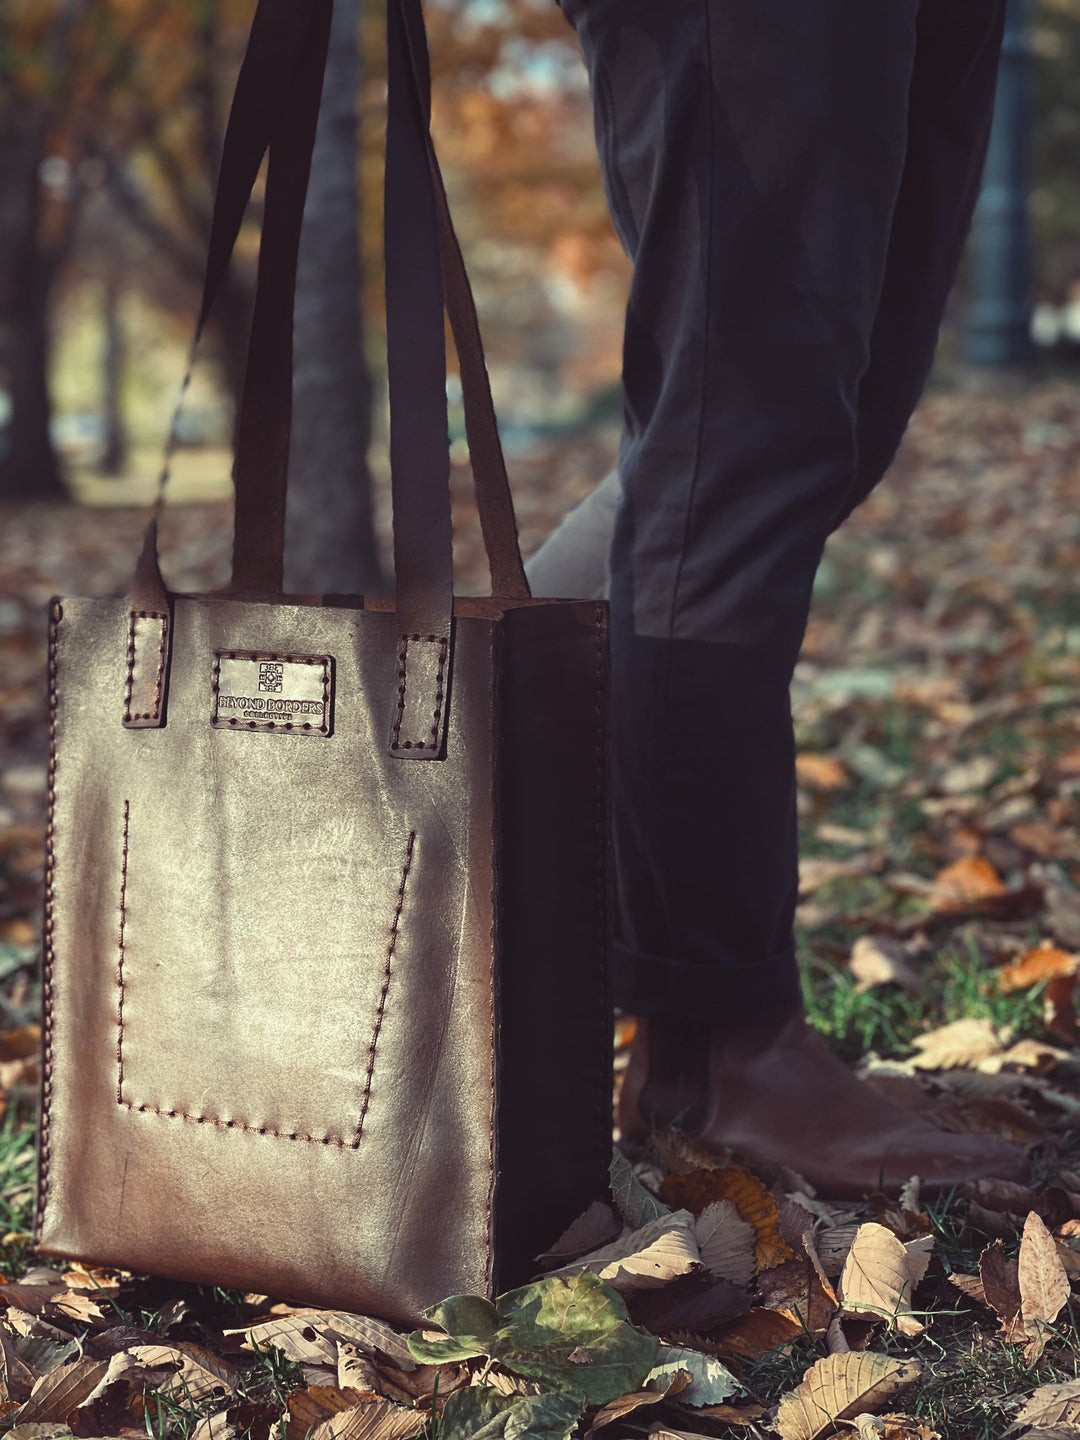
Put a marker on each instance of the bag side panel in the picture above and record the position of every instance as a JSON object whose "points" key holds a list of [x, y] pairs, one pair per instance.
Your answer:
{"points": [[554, 916], [269, 989]]}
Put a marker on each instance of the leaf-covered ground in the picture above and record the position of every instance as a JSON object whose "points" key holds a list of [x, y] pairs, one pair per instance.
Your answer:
{"points": [[937, 712]]}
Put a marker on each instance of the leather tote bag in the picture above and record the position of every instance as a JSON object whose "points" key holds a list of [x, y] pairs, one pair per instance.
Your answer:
{"points": [[326, 1011]]}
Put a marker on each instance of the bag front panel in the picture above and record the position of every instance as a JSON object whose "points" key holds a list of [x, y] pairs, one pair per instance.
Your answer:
{"points": [[270, 998]]}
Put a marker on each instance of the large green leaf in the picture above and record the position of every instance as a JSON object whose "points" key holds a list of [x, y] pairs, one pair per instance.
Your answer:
{"points": [[479, 1412], [471, 1326], [571, 1333]]}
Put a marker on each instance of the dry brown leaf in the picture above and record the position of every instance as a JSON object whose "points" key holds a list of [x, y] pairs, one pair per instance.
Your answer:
{"points": [[22, 1043], [17, 1376], [372, 1420], [965, 882], [876, 1279], [198, 1372], [919, 1251], [626, 1404], [1051, 1405], [832, 1246], [817, 870], [878, 960], [1059, 1009], [755, 1204], [893, 1427], [820, 772], [596, 1226], [758, 1332], [1001, 1287], [679, 1154], [356, 1371], [214, 1427], [60, 1392], [963, 1042], [1045, 962], [796, 1289], [970, 1286], [310, 1337], [726, 1242], [838, 1387], [644, 1259], [311, 1407], [1044, 1285]]}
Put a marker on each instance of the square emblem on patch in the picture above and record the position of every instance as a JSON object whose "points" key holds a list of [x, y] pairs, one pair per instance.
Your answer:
{"points": [[253, 690]]}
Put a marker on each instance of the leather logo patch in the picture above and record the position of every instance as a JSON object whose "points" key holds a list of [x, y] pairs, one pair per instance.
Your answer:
{"points": [[254, 690]]}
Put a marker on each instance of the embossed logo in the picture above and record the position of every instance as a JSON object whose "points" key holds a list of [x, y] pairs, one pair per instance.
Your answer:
{"points": [[256, 691]]}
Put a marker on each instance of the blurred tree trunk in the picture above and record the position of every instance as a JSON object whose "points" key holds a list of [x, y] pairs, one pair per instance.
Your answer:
{"points": [[330, 544], [28, 466], [114, 452]]}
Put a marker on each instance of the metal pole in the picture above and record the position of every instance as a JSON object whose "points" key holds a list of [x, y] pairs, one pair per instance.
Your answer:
{"points": [[999, 316]]}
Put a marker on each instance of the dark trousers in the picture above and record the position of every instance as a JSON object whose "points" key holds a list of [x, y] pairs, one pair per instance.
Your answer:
{"points": [[793, 180]]}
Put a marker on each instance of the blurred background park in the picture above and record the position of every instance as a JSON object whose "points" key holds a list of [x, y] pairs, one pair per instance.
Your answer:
{"points": [[937, 698]]}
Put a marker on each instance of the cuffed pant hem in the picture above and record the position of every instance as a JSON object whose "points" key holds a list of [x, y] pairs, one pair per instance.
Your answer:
{"points": [[760, 993]]}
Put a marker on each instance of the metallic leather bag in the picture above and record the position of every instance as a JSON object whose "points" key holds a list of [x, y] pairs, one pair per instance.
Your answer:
{"points": [[326, 1010]]}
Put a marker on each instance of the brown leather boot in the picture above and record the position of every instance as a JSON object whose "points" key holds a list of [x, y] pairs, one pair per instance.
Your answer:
{"points": [[777, 1096]]}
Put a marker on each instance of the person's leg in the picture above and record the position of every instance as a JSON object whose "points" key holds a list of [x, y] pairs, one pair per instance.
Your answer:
{"points": [[753, 153]]}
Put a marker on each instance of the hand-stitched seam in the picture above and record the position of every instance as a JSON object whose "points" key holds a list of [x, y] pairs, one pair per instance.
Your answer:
{"points": [[47, 949], [120, 962], [236, 1125], [234, 724], [154, 714], [391, 947], [432, 743]]}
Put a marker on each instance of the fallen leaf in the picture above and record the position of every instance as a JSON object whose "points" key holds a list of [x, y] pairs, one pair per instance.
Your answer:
{"points": [[535, 1330], [598, 1225], [373, 1420], [796, 1289], [310, 1337], [694, 1302], [838, 1387], [710, 1380], [833, 1245], [820, 772], [963, 1042], [214, 1427], [1051, 1405], [964, 883], [58, 1394], [893, 1427], [309, 1408], [877, 960], [1044, 1284], [644, 1259], [355, 1371], [759, 1332], [1001, 1286], [1045, 962], [480, 1413], [1059, 1009], [818, 870], [635, 1204], [626, 1404], [726, 1242], [22, 1043], [198, 1372], [755, 1204], [876, 1282]]}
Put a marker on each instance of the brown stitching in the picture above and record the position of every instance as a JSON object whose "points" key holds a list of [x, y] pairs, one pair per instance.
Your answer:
{"points": [[390, 948], [154, 714], [47, 950], [120, 964], [235, 1125], [403, 655]]}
